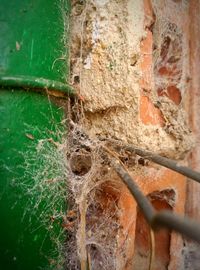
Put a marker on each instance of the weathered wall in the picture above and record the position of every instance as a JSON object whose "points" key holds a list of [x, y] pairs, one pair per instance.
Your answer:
{"points": [[112, 58], [130, 68], [191, 250]]}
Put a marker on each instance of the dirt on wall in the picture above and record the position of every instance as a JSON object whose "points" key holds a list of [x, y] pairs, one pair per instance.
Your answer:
{"points": [[106, 58]]}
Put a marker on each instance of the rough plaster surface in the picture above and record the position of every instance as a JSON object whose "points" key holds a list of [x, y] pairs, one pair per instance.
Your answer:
{"points": [[105, 54], [191, 250], [106, 72]]}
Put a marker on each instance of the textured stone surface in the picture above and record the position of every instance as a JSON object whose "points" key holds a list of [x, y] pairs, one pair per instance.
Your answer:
{"points": [[132, 61]]}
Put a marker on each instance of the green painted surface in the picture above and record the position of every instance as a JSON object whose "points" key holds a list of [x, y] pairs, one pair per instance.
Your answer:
{"points": [[33, 37], [28, 163]]}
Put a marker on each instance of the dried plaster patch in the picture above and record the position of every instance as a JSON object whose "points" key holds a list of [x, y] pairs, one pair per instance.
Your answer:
{"points": [[104, 71], [105, 57]]}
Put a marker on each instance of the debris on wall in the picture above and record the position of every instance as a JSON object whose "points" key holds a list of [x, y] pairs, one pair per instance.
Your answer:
{"points": [[106, 71], [130, 73]]}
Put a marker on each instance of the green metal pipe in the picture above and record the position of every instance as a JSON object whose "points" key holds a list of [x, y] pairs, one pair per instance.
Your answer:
{"points": [[33, 45], [33, 193], [28, 199]]}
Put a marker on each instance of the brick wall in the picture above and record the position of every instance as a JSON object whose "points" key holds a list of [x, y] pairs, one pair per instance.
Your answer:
{"points": [[136, 64]]}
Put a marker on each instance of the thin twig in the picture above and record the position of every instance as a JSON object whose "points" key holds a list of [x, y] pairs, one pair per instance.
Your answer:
{"points": [[89, 261], [82, 234]]}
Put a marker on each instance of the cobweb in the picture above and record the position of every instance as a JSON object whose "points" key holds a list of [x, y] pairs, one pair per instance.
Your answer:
{"points": [[69, 189], [96, 225], [44, 186]]}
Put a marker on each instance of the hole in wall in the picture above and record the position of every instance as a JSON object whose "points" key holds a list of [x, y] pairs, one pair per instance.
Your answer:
{"points": [[80, 163], [143, 162], [76, 79]]}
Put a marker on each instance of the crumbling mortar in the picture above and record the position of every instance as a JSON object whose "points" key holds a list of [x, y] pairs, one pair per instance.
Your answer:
{"points": [[111, 97], [106, 62]]}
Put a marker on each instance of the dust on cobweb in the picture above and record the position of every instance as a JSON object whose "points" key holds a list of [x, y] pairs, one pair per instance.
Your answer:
{"points": [[90, 182], [44, 187], [70, 190]]}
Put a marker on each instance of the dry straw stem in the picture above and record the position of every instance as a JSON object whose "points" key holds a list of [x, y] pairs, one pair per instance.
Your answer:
{"points": [[152, 254], [82, 234]]}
